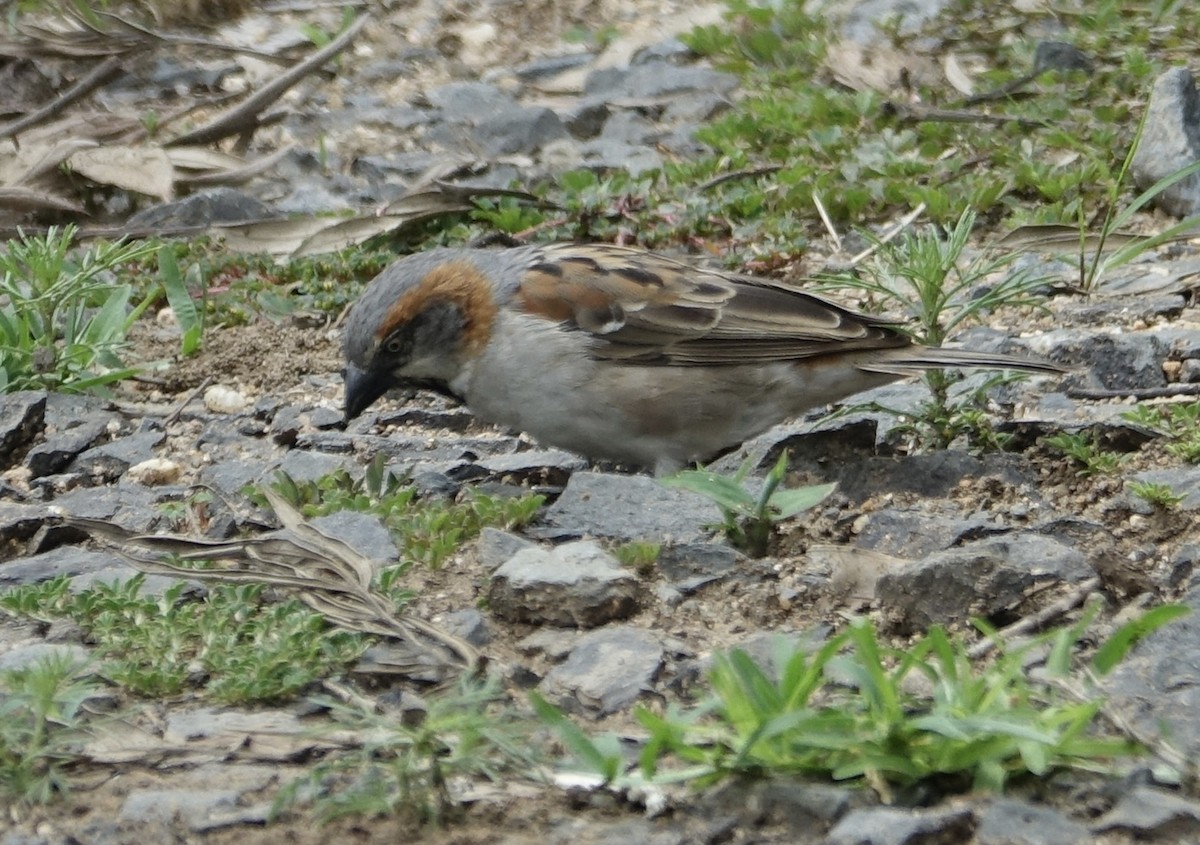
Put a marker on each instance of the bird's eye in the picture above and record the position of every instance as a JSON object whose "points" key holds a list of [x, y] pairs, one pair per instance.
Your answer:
{"points": [[393, 344]]}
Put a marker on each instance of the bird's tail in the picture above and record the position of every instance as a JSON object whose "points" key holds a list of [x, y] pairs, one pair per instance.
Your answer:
{"points": [[907, 359]]}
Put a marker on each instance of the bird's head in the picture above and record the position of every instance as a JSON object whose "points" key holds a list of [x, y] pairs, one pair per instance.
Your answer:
{"points": [[417, 324]]}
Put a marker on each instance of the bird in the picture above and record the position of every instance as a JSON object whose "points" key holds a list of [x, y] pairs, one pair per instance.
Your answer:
{"points": [[621, 354]]}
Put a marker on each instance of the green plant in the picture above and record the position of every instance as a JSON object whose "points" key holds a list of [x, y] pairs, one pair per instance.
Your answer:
{"points": [[406, 765], [428, 531], [638, 555], [1180, 423], [189, 316], [62, 319], [40, 726], [749, 517], [1159, 495], [853, 708], [233, 644], [1084, 449]]}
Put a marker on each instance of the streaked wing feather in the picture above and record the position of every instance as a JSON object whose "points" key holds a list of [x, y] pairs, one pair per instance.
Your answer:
{"points": [[648, 308]]}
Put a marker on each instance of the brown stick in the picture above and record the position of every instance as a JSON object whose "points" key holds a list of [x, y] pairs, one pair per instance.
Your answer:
{"points": [[99, 75]]}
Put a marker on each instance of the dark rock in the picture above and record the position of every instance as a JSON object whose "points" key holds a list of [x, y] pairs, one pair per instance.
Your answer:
{"points": [[670, 50], [933, 475], [587, 117], [110, 460], [1153, 813], [57, 451], [574, 584], [894, 826], [1156, 689], [1060, 55], [363, 532], [608, 154], [626, 507], [542, 466], [1170, 141], [22, 417], [1008, 822], [217, 205], [982, 578], [229, 478], [606, 671]]}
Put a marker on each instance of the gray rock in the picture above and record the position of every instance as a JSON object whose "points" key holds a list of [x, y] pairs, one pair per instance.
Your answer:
{"points": [[609, 154], [65, 560], [696, 108], [894, 826], [1184, 480], [57, 451], [779, 800], [933, 475], [22, 416], [626, 507], [209, 797], [304, 466], [916, 533], [1008, 822], [654, 80], [363, 532], [541, 465], [29, 655], [1153, 813], [495, 546], [19, 522], [606, 671], [469, 102], [129, 507], [518, 130], [629, 128], [686, 561], [217, 205], [112, 459], [1157, 687], [469, 624], [551, 66], [1170, 142], [1130, 360], [976, 579], [576, 584]]}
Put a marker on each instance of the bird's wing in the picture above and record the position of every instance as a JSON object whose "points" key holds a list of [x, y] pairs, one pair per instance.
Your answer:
{"points": [[648, 308]]}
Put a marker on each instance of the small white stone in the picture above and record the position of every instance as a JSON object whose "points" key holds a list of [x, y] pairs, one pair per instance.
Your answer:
{"points": [[166, 317], [154, 471], [224, 400]]}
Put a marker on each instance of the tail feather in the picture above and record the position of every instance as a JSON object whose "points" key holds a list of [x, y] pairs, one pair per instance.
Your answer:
{"points": [[907, 359]]}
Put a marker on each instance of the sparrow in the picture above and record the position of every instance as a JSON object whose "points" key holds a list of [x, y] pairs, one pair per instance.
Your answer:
{"points": [[621, 354]]}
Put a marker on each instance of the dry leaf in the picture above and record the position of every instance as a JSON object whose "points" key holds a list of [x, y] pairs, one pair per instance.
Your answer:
{"points": [[146, 170], [957, 76]]}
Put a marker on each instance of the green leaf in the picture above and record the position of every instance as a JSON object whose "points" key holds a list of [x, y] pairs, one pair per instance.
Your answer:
{"points": [[791, 502], [1117, 646]]}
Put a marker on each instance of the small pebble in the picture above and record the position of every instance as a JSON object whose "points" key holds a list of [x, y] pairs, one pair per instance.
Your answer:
{"points": [[154, 471], [224, 400]]}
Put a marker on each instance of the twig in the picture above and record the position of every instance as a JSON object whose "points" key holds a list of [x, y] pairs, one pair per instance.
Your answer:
{"points": [[919, 114], [748, 173], [837, 240], [1134, 392], [1037, 620], [904, 223], [243, 118], [174, 415], [99, 75]]}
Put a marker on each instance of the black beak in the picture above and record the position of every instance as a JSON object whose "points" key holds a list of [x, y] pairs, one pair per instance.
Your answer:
{"points": [[362, 389]]}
